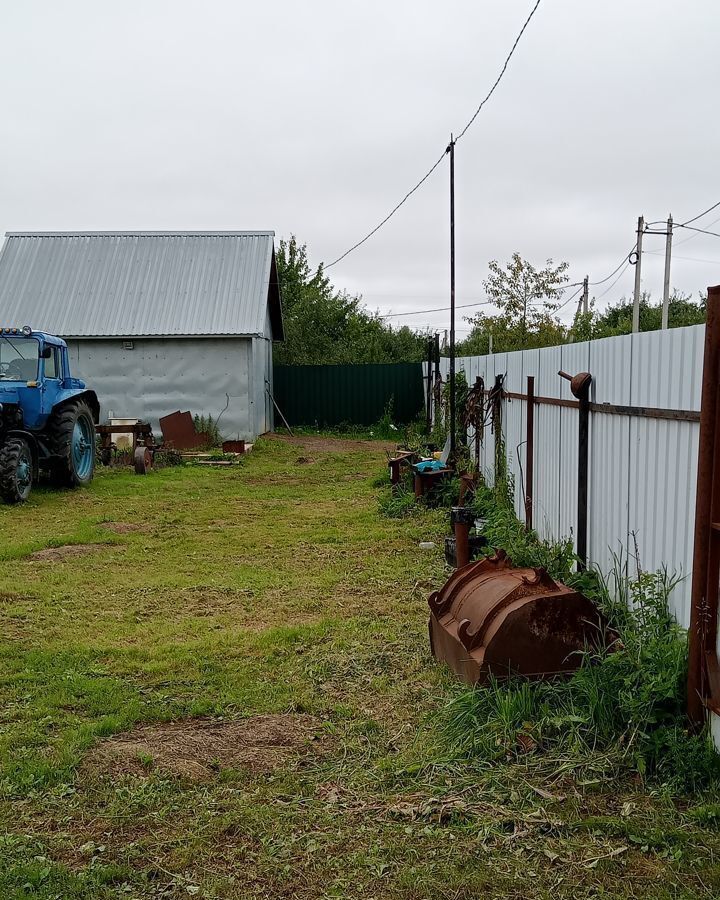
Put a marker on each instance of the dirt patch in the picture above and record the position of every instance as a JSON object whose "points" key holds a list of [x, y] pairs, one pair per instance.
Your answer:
{"points": [[321, 444], [68, 551], [199, 748], [123, 527]]}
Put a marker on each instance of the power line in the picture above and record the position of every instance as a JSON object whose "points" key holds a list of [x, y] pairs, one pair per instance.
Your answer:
{"points": [[572, 297], [695, 218], [390, 214], [418, 312], [625, 262], [699, 230], [502, 71], [440, 159], [607, 290]]}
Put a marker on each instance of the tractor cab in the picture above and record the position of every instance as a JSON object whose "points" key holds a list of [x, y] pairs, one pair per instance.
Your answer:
{"points": [[47, 417], [34, 367]]}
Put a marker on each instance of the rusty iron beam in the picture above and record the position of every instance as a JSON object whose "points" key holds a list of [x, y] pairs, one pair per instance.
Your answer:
{"points": [[614, 409]]}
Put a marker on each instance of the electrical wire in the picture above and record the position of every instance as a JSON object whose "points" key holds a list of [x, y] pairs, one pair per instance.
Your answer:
{"points": [[695, 218], [444, 153], [692, 236], [390, 214], [699, 230], [565, 303], [418, 312], [502, 71], [607, 290], [625, 262]]}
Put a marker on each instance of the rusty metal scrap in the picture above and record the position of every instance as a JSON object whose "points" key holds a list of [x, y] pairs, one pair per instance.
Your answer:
{"points": [[179, 432], [492, 619]]}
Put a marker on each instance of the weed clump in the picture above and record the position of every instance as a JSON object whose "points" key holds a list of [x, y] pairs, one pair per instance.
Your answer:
{"points": [[621, 712], [398, 502]]}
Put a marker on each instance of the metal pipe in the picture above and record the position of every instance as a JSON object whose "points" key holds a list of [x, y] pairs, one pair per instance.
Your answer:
{"points": [[703, 606], [529, 451], [451, 149], [462, 544], [582, 499], [428, 415]]}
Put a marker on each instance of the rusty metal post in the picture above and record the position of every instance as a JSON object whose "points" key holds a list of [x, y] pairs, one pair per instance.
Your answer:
{"points": [[704, 596], [582, 508], [461, 518], [580, 387], [529, 451]]}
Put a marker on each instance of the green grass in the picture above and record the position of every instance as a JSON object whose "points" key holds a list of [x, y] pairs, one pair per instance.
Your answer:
{"points": [[277, 587]]}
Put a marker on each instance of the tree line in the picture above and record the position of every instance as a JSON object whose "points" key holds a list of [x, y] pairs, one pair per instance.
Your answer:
{"points": [[324, 325]]}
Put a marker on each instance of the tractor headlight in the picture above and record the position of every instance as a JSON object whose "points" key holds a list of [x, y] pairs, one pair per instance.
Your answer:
{"points": [[26, 330]]}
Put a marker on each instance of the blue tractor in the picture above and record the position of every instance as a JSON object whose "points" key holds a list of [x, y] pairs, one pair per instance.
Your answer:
{"points": [[47, 417]]}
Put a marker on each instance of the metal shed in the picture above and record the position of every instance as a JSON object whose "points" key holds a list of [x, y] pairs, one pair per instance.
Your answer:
{"points": [[156, 321]]}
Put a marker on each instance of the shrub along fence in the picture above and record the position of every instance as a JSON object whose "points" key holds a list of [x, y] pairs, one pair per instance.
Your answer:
{"points": [[328, 396]]}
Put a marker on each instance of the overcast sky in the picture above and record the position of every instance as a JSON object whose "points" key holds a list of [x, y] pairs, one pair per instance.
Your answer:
{"points": [[315, 118]]}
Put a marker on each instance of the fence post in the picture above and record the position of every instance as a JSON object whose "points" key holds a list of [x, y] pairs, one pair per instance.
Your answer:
{"points": [[529, 451], [428, 413], [702, 634]]}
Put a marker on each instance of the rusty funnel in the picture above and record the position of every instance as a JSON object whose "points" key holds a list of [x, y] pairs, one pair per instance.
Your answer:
{"points": [[491, 618]]}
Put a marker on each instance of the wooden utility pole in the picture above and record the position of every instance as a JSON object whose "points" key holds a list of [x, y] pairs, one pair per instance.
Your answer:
{"points": [[586, 294], [638, 264]]}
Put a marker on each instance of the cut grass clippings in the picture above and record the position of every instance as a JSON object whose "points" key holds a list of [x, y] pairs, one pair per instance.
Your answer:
{"points": [[276, 589]]}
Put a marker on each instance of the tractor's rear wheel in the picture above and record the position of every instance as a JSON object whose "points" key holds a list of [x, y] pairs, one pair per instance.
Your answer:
{"points": [[71, 433], [16, 470]]}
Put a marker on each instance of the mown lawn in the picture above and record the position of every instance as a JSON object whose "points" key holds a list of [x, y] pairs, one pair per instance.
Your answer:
{"points": [[275, 588]]}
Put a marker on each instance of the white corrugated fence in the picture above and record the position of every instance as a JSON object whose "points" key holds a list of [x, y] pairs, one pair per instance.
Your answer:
{"points": [[642, 468]]}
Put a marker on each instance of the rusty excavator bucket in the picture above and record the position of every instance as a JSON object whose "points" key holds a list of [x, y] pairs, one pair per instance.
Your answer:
{"points": [[490, 618]]}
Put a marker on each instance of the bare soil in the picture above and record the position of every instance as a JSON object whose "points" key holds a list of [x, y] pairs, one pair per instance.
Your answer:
{"points": [[55, 554], [322, 444], [199, 748], [123, 527]]}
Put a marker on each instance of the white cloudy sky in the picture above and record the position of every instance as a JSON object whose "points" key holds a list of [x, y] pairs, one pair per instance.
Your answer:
{"points": [[315, 118]]}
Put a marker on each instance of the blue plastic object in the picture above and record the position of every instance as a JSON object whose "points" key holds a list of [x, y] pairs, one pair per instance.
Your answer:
{"points": [[429, 465]]}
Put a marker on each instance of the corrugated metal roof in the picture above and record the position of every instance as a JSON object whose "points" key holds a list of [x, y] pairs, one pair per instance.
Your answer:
{"points": [[135, 283]]}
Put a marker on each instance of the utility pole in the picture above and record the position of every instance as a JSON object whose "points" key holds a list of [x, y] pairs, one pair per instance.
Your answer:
{"points": [[638, 263], [585, 293], [490, 343], [451, 151], [666, 282]]}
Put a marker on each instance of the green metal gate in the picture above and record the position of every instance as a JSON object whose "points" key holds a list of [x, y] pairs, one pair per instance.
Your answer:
{"points": [[327, 396]]}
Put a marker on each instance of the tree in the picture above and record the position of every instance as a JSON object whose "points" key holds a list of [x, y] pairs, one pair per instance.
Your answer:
{"points": [[325, 326], [527, 299], [617, 319]]}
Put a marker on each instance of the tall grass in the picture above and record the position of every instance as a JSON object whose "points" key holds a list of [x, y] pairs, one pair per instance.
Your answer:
{"points": [[623, 711]]}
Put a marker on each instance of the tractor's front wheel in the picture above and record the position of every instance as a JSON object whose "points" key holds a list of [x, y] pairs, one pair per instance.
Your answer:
{"points": [[71, 431], [16, 470]]}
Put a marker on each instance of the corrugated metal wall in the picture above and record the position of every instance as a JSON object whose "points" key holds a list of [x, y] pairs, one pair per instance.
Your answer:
{"points": [[354, 394], [642, 470], [159, 376]]}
